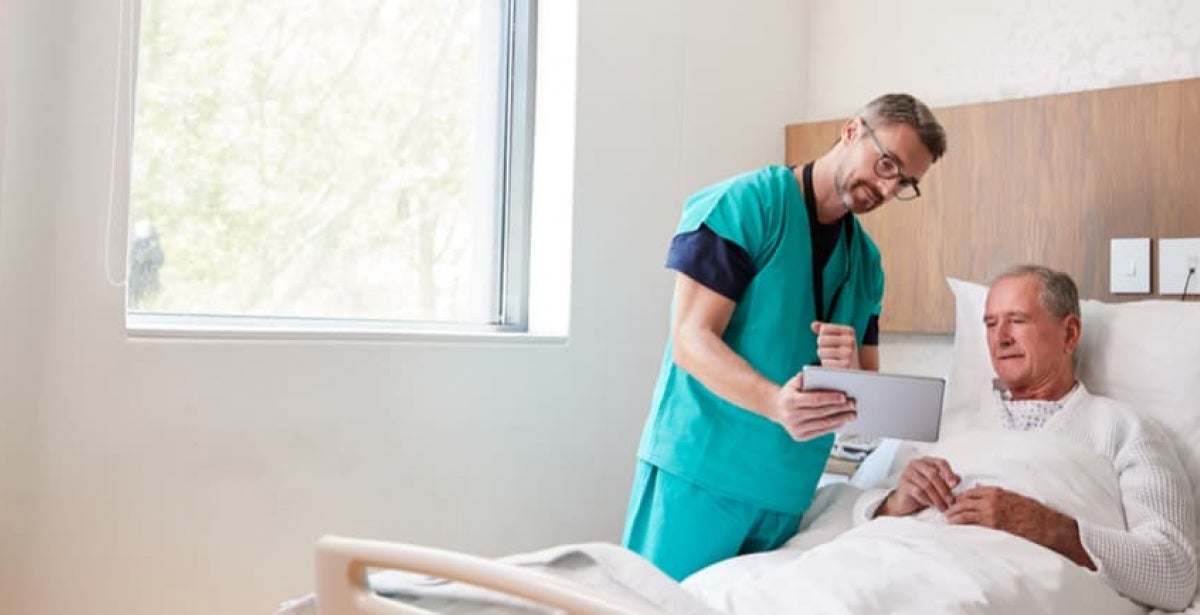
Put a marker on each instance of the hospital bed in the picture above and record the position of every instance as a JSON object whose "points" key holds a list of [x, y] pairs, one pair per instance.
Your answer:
{"points": [[1145, 353]]}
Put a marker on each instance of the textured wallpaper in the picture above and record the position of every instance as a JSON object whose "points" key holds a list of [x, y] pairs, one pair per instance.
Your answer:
{"points": [[951, 52], [967, 51]]}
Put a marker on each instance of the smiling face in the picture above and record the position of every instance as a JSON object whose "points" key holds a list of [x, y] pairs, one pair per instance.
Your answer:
{"points": [[859, 187], [1031, 348]]}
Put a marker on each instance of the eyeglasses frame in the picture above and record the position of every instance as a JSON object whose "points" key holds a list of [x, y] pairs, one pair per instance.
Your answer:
{"points": [[884, 154]]}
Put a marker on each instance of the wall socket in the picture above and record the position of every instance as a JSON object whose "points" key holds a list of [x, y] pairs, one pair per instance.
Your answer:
{"points": [[1175, 258], [1129, 266]]}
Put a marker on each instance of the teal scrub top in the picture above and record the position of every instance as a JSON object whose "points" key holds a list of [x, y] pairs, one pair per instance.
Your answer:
{"points": [[693, 433]]}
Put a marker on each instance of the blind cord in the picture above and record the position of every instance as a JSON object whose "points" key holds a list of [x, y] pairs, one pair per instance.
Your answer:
{"points": [[1186, 282], [122, 61]]}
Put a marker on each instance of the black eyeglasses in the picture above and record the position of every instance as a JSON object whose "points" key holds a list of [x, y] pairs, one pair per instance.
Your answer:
{"points": [[888, 167]]}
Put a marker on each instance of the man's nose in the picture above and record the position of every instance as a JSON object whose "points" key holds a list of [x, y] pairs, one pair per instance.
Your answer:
{"points": [[1004, 335], [888, 187]]}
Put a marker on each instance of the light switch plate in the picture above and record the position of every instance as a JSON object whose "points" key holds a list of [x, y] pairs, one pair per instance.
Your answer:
{"points": [[1175, 257], [1129, 266]]}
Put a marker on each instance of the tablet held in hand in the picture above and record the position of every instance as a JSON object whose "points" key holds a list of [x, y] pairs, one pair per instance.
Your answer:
{"points": [[889, 405]]}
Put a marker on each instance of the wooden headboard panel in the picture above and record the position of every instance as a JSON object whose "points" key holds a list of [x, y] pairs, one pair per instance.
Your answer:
{"points": [[1047, 180]]}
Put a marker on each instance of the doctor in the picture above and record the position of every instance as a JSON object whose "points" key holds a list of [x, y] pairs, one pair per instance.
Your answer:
{"points": [[773, 273]]}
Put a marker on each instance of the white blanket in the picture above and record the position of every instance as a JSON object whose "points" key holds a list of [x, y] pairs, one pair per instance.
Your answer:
{"points": [[917, 564], [922, 565]]}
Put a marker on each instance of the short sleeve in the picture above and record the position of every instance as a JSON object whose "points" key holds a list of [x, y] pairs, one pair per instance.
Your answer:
{"points": [[871, 336], [713, 261], [745, 210]]}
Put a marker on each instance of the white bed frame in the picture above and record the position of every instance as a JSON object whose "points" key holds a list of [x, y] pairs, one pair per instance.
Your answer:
{"points": [[342, 588]]}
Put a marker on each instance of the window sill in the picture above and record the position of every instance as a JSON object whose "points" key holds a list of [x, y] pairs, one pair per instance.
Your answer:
{"points": [[303, 329]]}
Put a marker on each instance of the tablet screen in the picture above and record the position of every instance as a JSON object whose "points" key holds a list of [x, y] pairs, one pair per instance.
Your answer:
{"points": [[889, 405]]}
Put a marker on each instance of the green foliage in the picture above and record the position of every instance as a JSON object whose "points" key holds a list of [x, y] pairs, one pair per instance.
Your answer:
{"points": [[302, 158]]}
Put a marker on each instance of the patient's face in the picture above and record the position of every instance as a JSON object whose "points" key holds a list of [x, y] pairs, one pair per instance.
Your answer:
{"points": [[1030, 348]]}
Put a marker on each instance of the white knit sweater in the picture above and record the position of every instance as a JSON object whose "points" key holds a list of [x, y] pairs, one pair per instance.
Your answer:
{"points": [[1153, 560]]}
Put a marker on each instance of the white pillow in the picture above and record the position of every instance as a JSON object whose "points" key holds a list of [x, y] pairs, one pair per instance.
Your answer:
{"points": [[1143, 353], [971, 370]]}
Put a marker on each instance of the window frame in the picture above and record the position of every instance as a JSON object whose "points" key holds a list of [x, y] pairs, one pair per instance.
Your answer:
{"points": [[511, 206]]}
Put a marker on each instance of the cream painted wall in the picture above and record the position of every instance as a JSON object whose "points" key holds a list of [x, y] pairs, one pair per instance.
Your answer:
{"points": [[192, 477], [143, 477], [30, 65], [951, 52]]}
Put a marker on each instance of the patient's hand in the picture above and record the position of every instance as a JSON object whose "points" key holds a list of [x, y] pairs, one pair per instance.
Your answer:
{"points": [[925, 482], [1016, 514]]}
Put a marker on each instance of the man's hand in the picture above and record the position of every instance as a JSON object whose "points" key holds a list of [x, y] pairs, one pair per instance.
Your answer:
{"points": [[837, 345], [808, 414], [925, 482], [1016, 514]]}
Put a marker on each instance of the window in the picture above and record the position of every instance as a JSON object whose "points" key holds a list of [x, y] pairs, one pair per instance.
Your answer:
{"points": [[331, 165]]}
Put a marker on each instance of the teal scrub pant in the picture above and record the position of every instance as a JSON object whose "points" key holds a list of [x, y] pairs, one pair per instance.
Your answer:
{"points": [[682, 527]]}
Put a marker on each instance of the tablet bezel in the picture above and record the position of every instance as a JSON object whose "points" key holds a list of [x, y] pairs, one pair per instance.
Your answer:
{"points": [[896, 406]]}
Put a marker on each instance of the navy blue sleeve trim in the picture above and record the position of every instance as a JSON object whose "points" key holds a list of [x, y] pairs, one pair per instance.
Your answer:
{"points": [[871, 335], [712, 260]]}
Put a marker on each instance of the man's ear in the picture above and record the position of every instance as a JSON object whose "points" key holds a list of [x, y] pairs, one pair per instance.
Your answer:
{"points": [[849, 131], [1074, 327]]}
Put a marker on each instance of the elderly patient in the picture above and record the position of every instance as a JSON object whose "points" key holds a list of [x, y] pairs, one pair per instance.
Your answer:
{"points": [[1033, 327]]}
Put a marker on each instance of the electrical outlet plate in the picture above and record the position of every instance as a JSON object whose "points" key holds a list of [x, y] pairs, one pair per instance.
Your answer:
{"points": [[1129, 266], [1175, 257]]}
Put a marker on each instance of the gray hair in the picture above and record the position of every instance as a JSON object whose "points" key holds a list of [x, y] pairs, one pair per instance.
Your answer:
{"points": [[906, 109], [1057, 291]]}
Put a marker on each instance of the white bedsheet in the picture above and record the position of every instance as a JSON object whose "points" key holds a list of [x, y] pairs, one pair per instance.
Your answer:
{"points": [[909, 565], [923, 565]]}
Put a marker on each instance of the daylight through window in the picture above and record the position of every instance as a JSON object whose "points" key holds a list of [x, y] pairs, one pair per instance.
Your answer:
{"points": [[360, 162]]}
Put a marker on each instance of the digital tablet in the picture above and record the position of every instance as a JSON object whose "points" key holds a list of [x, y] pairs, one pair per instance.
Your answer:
{"points": [[889, 405]]}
